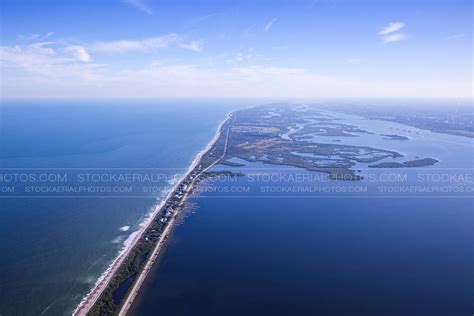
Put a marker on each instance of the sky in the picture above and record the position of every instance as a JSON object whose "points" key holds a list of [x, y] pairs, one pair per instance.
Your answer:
{"points": [[236, 48]]}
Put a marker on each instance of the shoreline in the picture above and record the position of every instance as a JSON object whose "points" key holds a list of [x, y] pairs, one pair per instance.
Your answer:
{"points": [[103, 281]]}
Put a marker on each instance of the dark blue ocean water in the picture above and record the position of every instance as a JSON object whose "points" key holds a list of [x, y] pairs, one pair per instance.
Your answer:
{"points": [[316, 257], [249, 248], [244, 253], [53, 249]]}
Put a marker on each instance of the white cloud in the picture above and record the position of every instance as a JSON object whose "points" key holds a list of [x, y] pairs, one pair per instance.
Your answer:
{"points": [[125, 46], [397, 37], [140, 5], [145, 45], [388, 32], [47, 60], [269, 24], [392, 27], [193, 45], [57, 69], [192, 81], [42, 53], [176, 81], [78, 52]]}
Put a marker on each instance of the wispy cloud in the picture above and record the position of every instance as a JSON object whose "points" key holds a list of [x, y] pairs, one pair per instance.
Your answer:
{"points": [[456, 36], [49, 61], [140, 5], [195, 46], [388, 32], [33, 37], [145, 45], [47, 71], [185, 80], [199, 19], [392, 27], [269, 24], [39, 52], [397, 37], [58, 58]]}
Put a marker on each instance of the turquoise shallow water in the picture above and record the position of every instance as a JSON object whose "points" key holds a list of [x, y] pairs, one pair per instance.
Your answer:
{"points": [[251, 247], [53, 249]]}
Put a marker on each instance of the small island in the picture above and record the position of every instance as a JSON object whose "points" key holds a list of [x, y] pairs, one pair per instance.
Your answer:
{"points": [[394, 137], [407, 164]]}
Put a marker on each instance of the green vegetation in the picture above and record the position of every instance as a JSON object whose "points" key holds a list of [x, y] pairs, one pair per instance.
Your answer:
{"points": [[131, 267], [277, 134], [407, 164], [119, 287]]}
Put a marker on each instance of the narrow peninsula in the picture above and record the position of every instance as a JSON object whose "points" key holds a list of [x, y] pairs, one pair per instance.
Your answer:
{"points": [[279, 134], [115, 290]]}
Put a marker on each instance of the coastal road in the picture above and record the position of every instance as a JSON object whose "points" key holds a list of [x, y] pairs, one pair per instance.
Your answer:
{"points": [[93, 296], [156, 251]]}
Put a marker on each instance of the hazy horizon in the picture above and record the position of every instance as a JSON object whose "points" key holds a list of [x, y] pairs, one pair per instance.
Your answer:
{"points": [[236, 157], [254, 49]]}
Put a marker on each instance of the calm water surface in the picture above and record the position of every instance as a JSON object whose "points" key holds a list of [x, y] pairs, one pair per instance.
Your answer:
{"points": [[264, 252]]}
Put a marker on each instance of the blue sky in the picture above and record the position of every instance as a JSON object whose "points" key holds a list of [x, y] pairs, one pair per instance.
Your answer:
{"points": [[211, 48]]}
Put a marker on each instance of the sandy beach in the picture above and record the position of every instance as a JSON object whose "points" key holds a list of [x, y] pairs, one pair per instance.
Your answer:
{"points": [[156, 251], [94, 294]]}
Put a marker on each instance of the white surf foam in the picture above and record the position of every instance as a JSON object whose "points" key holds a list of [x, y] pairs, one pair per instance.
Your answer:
{"points": [[124, 228]]}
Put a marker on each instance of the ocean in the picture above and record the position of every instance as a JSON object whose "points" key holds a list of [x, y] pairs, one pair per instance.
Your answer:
{"points": [[251, 245], [56, 243], [285, 241]]}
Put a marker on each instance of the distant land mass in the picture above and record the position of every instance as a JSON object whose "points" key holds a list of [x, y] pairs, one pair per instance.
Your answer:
{"points": [[289, 134], [440, 117]]}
